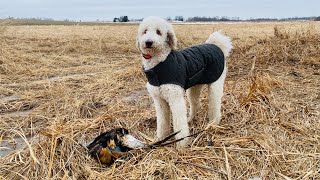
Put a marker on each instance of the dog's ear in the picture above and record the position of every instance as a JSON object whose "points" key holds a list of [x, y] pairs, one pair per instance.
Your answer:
{"points": [[171, 39]]}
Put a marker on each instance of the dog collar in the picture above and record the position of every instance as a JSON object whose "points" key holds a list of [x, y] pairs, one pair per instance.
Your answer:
{"points": [[146, 56]]}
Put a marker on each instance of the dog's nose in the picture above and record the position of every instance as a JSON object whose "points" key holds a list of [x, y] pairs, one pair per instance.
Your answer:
{"points": [[149, 43]]}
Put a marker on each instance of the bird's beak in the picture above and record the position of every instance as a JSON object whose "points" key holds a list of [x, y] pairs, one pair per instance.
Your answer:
{"points": [[132, 142]]}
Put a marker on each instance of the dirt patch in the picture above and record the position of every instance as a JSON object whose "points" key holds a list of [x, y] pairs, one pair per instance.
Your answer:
{"points": [[10, 98], [135, 95], [20, 113], [8, 146]]}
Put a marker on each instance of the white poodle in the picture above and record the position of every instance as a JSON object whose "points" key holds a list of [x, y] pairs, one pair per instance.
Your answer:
{"points": [[170, 73]]}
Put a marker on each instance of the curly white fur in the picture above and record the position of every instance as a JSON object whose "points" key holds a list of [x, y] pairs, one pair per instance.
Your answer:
{"points": [[169, 98]]}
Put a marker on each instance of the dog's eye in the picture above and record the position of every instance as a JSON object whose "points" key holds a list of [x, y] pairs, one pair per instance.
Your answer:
{"points": [[158, 32], [145, 31]]}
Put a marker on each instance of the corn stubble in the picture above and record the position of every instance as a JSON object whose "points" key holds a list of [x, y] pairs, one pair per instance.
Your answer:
{"points": [[63, 85]]}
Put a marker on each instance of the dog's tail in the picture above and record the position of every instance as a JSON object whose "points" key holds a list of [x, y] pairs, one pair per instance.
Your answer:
{"points": [[222, 41]]}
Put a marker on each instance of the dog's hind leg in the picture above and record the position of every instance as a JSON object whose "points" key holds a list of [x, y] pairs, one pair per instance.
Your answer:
{"points": [[215, 91], [193, 95]]}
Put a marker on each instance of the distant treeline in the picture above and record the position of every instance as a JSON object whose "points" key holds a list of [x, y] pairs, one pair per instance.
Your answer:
{"points": [[225, 18], [209, 19], [121, 19], [45, 21], [50, 21]]}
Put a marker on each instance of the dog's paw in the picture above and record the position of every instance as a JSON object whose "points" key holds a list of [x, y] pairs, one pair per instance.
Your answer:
{"points": [[184, 143]]}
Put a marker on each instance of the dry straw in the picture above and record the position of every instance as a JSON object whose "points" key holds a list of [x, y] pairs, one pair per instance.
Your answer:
{"points": [[62, 86]]}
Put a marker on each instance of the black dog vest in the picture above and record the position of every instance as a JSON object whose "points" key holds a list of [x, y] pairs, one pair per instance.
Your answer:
{"points": [[202, 64]]}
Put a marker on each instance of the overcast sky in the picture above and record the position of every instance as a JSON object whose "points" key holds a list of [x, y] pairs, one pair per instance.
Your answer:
{"points": [[91, 10]]}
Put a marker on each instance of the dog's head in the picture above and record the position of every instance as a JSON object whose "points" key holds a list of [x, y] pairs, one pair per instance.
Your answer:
{"points": [[155, 35]]}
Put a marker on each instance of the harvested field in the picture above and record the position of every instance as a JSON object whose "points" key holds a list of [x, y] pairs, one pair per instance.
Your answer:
{"points": [[60, 86]]}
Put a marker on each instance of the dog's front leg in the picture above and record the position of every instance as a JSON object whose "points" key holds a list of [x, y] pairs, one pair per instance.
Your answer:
{"points": [[175, 97], [162, 112], [179, 117], [163, 117]]}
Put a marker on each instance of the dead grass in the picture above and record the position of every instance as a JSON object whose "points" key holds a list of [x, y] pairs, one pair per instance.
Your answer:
{"points": [[64, 85]]}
